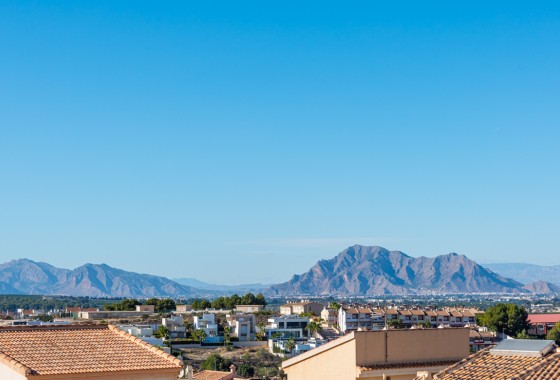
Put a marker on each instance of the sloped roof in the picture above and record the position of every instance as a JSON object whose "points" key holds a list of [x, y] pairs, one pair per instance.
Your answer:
{"points": [[216, 375], [78, 349], [484, 366], [543, 318]]}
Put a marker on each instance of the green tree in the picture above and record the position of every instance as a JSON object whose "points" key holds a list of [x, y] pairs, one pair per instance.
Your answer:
{"points": [[260, 300], [290, 344], [163, 332], [508, 318], [199, 335], [554, 333], [227, 331], [313, 327], [215, 362], [261, 331], [246, 370], [396, 323], [426, 324]]}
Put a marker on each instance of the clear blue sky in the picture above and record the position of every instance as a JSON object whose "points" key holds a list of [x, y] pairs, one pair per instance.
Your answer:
{"points": [[241, 142]]}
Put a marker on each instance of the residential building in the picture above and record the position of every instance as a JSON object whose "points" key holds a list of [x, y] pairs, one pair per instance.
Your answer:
{"points": [[481, 339], [175, 326], [242, 326], [377, 355], [519, 359], [301, 307], [218, 375], [287, 326], [249, 308], [183, 308], [541, 324], [208, 324], [146, 308], [73, 352], [329, 317], [105, 314]]}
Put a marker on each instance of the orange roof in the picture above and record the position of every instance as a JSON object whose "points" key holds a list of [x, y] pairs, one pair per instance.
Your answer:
{"points": [[484, 366], [442, 313], [364, 310], [417, 312], [405, 312], [431, 313], [79, 349], [216, 375]]}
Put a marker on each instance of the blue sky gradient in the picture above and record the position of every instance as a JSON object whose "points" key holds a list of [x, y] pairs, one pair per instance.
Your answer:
{"points": [[241, 142]]}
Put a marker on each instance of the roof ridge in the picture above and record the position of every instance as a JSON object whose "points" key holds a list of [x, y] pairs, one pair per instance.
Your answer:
{"points": [[146, 345], [15, 364], [462, 362], [73, 326]]}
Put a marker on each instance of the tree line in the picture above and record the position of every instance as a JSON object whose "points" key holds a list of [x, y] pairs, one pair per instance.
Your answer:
{"points": [[229, 302]]}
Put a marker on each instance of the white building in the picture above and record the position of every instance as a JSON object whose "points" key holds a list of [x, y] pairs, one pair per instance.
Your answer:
{"points": [[242, 326], [287, 326], [207, 323]]}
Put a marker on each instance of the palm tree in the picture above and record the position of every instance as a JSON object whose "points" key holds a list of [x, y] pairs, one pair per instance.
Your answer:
{"points": [[261, 332], [313, 327], [199, 335], [227, 331], [290, 344]]}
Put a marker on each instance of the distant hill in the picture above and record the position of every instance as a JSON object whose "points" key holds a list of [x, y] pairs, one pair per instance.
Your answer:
{"points": [[527, 273], [542, 287], [244, 288], [361, 270], [29, 277]]}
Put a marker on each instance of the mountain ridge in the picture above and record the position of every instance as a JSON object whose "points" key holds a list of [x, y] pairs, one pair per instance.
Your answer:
{"points": [[361, 270], [26, 276]]}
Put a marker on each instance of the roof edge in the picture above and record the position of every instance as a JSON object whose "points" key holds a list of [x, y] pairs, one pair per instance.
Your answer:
{"points": [[316, 351], [15, 365], [147, 346]]}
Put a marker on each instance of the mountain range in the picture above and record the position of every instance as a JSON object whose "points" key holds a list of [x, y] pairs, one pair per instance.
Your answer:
{"points": [[95, 280], [526, 273], [361, 270], [356, 271]]}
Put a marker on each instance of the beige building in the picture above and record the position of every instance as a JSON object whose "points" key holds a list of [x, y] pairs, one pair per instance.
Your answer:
{"points": [[301, 307], [183, 308], [249, 308], [146, 308], [381, 355], [79, 352]]}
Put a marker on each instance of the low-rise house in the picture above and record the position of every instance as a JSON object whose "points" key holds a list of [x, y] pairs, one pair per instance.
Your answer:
{"points": [[242, 326], [175, 326], [381, 355], [479, 340], [183, 308], [329, 316], [248, 308], [218, 375], [287, 326], [106, 314], [75, 352], [146, 308], [307, 307], [208, 324], [519, 359], [541, 324]]}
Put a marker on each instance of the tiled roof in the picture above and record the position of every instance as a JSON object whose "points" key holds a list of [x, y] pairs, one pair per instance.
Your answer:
{"points": [[216, 375], [484, 366], [409, 365], [79, 349], [417, 312], [543, 318]]}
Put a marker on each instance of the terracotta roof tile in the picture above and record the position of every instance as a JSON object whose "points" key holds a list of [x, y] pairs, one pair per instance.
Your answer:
{"points": [[75, 349], [484, 366], [216, 375]]}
